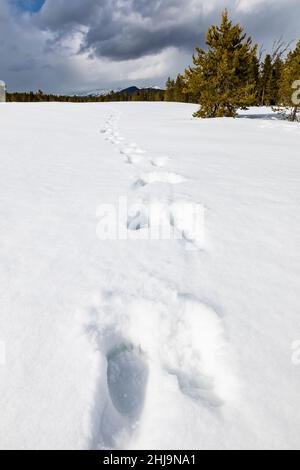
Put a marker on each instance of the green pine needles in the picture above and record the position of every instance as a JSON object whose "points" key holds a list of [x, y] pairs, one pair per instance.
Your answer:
{"points": [[224, 76]]}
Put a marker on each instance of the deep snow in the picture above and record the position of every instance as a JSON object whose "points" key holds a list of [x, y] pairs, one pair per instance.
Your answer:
{"points": [[140, 343]]}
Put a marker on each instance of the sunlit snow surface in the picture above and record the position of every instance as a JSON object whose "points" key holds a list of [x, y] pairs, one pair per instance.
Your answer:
{"points": [[148, 343]]}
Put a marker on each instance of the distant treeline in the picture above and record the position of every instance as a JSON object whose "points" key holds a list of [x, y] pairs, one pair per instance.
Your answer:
{"points": [[140, 95]]}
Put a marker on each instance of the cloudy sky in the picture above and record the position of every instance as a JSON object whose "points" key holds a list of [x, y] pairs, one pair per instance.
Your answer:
{"points": [[79, 45]]}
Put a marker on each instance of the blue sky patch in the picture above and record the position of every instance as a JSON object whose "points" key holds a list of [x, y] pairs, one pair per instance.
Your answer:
{"points": [[30, 5]]}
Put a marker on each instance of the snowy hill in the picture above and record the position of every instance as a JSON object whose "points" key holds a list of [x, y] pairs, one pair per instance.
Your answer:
{"points": [[134, 89], [98, 92], [136, 342], [129, 90]]}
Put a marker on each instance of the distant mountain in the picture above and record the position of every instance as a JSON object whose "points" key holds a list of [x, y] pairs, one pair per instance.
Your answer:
{"points": [[99, 92], [134, 89], [128, 91]]}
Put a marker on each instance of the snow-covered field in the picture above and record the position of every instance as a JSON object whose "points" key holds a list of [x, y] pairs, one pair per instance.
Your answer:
{"points": [[148, 343]]}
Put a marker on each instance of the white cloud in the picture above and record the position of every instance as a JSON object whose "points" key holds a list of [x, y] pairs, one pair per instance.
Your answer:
{"points": [[251, 5]]}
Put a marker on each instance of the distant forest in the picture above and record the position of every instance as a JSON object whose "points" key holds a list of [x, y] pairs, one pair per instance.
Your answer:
{"points": [[133, 94]]}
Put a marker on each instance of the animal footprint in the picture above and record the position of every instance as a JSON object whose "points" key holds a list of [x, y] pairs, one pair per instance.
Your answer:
{"points": [[130, 156], [160, 162], [188, 219], [200, 359], [158, 177], [127, 375], [138, 221], [133, 159], [123, 376]]}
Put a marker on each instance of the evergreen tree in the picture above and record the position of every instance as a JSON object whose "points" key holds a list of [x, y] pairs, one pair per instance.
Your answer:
{"points": [[176, 90], [179, 94], [223, 77], [289, 89], [265, 81], [170, 90], [255, 76], [269, 81], [277, 69]]}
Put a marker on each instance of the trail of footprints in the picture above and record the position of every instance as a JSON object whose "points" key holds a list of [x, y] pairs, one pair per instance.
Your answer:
{"points": [[156, 174], [163, 335]]}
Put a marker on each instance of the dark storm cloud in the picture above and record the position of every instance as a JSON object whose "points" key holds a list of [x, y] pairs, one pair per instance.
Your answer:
{"points": [[272, 21], [59, 14], [135, 42], [123, 30], [129, 29]]}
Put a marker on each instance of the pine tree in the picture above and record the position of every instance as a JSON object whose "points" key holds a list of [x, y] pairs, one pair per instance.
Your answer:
{"points": [[265, 81], [179, 94], [170, 90], [277, 69], [222, 77], [255, 77], [269, 81], [289, 89]]}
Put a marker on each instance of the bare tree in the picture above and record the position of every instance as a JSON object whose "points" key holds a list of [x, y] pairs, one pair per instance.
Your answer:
{"points": [[280, 48]]}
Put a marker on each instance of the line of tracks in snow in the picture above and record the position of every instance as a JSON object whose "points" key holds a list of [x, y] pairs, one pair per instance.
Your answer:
{"points": [[169, 335]]}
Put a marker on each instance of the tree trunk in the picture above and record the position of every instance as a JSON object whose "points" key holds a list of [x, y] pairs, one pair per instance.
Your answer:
{"points": [[293, 117]]}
